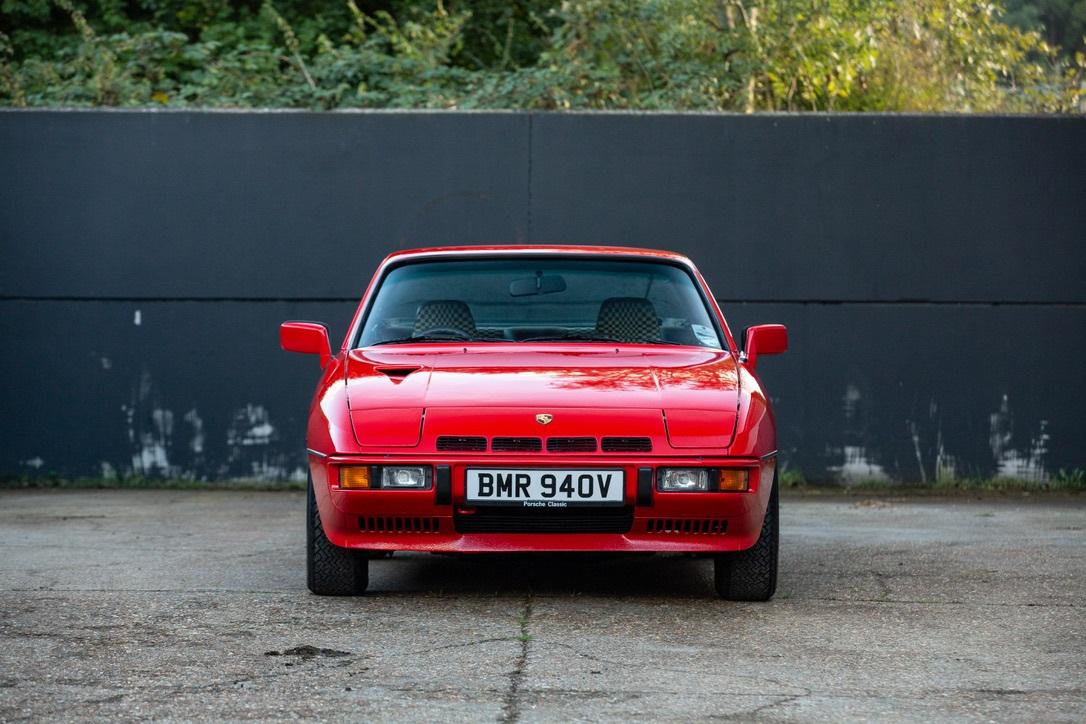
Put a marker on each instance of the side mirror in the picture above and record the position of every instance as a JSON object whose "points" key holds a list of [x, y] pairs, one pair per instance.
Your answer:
{"points": [[307, 338], [764, 339]]}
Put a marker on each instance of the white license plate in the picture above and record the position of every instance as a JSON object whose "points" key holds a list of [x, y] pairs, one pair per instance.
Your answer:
{"points": [[552, 488]]}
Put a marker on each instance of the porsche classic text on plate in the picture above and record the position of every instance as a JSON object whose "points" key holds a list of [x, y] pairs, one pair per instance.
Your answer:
{"points": [[540, 398], [557, 488]]}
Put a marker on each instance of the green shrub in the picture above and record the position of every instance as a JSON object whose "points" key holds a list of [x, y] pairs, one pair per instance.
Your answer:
{"points": [[730, 55]]}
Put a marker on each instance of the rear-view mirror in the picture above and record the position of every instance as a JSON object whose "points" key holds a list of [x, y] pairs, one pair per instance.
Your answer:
{"points": [[539, 284]]}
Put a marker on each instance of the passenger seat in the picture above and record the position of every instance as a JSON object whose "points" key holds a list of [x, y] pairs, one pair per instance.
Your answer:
{"points": [[628, 319], [444, 314]]}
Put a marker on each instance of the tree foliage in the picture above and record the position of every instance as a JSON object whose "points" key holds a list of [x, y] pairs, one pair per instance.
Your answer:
{"points": [[738, 55], [1062, 23]]}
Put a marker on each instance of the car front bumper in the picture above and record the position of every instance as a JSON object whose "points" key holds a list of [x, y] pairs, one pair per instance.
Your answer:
{"points": [[415, 520]]}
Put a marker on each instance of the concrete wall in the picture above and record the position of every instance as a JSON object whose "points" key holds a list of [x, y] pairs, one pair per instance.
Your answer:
{"points": [[930, 269]]}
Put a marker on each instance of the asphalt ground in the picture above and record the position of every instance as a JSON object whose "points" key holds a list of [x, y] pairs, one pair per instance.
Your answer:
{"points": [[192, 605]]}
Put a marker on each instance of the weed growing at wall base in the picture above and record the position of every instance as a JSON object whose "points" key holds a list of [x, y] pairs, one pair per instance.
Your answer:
{"points": [[142, 482], [1065, 480]]}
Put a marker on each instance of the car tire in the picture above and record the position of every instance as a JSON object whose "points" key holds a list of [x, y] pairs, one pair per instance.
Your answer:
{"points": [[331, 570], [751, 575]]}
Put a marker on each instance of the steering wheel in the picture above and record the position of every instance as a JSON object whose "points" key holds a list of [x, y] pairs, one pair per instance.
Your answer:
{"points": [[452, 332]]}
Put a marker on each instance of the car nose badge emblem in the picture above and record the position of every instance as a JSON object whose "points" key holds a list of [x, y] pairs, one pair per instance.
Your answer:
{"points": [[543, 418]]}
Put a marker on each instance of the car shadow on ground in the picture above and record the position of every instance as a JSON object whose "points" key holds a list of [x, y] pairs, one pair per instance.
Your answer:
{"points": [[545, 573]]}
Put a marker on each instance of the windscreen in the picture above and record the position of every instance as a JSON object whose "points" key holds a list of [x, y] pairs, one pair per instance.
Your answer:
{"points": [[531, 299]]}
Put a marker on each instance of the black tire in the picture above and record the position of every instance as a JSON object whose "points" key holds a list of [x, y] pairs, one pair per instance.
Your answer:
{"points": [[751, 575], [331, 570]]}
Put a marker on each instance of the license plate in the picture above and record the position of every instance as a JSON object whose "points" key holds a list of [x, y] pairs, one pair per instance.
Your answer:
{"points": [[545, 488]]}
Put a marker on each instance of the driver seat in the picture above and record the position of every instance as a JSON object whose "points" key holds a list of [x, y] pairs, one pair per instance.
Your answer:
{"points": [[628, 319], [444, 314]]}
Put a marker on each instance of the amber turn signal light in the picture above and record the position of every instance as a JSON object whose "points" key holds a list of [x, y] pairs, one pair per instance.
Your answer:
{"points": [[734, 479], [354, 476]]}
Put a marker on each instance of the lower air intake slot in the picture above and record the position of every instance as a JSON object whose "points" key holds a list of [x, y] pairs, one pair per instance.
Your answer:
{"points": [[687, 526], [499, 519], [398, 524]]}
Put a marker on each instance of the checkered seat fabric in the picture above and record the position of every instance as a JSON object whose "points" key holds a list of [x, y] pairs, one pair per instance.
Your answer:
{"points": [[444, 314], [628, 319]]}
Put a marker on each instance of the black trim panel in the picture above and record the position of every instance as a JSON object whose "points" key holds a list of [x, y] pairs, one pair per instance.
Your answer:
{"points": [[644, 486], [443, 485]]}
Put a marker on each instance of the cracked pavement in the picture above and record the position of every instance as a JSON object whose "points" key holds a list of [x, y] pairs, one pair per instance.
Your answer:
{"points": [[192, 605]]}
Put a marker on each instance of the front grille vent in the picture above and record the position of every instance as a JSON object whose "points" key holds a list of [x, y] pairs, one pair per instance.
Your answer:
{"points": [[687, 526], [571, 444], [449, 443], [516, 444], [545, 520], [627, 444], [396, 524], [472, 443]]}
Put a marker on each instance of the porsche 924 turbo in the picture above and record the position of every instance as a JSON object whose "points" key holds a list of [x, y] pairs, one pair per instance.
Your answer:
{"points": [[540, 398]]}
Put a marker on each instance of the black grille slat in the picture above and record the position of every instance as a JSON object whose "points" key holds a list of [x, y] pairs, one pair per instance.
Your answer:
{"points": [[687, 526], [390, 524], [546, 520], [627, 444], [516, 444], [478, 443], [451, 443], [571, 444]]}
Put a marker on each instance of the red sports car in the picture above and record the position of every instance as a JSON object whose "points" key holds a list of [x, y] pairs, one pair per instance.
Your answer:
{"points": [[540, 398]]}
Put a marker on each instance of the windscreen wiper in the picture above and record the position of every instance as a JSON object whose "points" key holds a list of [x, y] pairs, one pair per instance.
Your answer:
{"points": [[438, 338], [575, 337], [588, 337]]}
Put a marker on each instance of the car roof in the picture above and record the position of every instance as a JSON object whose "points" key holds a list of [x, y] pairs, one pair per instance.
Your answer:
{"points": [[520, 249]]}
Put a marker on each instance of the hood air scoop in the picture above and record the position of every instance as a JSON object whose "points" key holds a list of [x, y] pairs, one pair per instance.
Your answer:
{"points": [[396, 374]]}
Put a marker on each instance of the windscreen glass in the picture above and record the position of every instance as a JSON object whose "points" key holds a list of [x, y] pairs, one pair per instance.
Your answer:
{"points": [[526, 300]]}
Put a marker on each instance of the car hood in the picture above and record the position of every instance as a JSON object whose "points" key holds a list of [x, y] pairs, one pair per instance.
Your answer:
{"points": [[388, 389]]}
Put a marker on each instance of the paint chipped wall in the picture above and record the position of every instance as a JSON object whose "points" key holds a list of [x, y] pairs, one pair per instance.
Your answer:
{"points": [[201, 391], [926, 393], [929, 270], [195, 391]]}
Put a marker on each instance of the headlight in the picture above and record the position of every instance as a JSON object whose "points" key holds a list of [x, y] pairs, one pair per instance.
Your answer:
{"points": [[389, 477], [701, 480], [397, 476], [675, 480]]}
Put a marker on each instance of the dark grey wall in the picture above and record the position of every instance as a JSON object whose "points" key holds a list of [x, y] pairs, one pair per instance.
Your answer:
{"points": [[930, 269]]}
